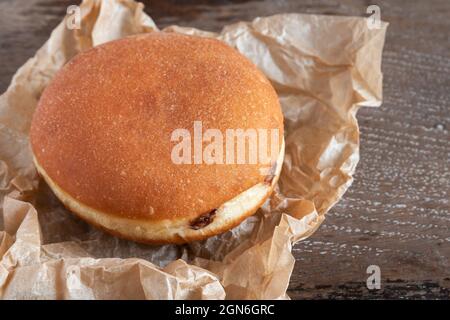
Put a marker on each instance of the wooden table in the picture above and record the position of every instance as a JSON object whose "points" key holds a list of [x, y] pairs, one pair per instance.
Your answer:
{"points": [[396, 214]]}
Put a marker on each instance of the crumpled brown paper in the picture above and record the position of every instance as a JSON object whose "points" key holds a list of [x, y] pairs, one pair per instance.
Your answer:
{"points": [[323, 68]]}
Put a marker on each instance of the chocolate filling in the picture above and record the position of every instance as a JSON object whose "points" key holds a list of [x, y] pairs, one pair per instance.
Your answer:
{"points": [[269, 178], [203, 220]]}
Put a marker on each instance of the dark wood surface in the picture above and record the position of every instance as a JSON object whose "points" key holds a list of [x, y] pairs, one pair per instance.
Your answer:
{"points": [[396, 214]]}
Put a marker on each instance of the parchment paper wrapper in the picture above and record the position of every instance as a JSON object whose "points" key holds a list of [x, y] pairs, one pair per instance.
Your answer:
{"points": [[323, 68]]}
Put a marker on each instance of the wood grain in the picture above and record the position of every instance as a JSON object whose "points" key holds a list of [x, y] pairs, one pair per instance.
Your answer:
{"points": [[396, 214]]}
